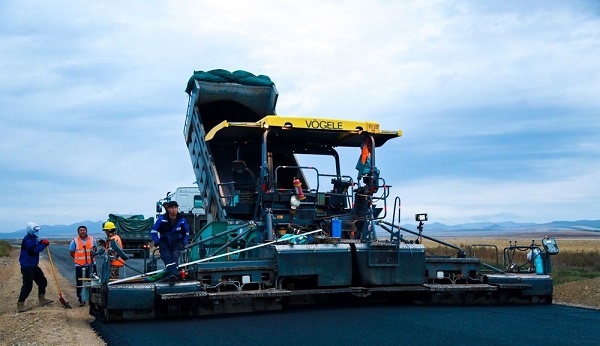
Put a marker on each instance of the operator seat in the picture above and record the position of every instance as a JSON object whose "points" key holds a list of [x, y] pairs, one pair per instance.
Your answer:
{"points": [[244, 181]]}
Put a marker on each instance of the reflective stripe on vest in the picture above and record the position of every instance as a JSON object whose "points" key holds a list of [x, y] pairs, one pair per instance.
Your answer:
{"points": [[116, 262], [83, 252]]}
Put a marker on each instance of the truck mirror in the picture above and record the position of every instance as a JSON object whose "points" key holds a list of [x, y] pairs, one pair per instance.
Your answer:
{"points": [[158, 207], [198, 202]]}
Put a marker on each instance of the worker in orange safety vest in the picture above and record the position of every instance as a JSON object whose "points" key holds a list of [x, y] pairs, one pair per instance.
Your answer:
{"points": [[81, 249], [111, 234]]}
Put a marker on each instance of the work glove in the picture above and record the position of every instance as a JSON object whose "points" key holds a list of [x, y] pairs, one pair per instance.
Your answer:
{"points": [[45, 242]]}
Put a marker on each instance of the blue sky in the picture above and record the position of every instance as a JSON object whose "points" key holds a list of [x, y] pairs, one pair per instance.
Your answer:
{"points": [[498, 100]]}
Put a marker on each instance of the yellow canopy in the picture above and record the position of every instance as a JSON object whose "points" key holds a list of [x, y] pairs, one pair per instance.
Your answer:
{"points": [[332, 132]]}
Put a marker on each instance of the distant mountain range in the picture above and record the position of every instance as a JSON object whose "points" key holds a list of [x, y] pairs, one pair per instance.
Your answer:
{"points": [[489, 228], [435, 228], [60, 231]]}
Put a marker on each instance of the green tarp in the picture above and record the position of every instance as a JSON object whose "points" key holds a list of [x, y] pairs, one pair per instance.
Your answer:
{"points": [[131, 227], [224, 76]]}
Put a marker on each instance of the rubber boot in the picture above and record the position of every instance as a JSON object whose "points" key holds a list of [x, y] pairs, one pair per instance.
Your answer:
{"points": [[44, 301], [21, 307]]}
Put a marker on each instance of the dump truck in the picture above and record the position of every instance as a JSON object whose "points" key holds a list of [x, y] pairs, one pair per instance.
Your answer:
{"points": [[287, 226], [134, 231]]}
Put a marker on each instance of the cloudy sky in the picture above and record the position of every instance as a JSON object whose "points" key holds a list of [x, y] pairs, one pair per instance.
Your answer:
{"points": [[498, 100]]}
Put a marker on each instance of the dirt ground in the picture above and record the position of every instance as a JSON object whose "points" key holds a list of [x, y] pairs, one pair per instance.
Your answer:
{"points": [[48, 325], [585, 293], [55, 325]]}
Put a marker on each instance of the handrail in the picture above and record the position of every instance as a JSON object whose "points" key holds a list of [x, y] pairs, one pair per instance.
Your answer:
{"points": [[471, 252], [461, 252]]}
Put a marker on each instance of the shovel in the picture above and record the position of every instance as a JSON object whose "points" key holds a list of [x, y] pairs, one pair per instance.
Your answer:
{"points": [[64, 303]]}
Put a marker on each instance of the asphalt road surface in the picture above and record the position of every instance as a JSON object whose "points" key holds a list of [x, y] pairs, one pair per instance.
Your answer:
{"points": [[543, 325], [379, 325]]}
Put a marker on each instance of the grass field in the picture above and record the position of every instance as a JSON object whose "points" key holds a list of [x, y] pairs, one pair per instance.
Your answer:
{"points": [[4, 248], [564, 244]]}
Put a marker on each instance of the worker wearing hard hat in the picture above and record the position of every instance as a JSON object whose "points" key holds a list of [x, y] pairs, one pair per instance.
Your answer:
{"points": [[111, 234], [170, 233]]}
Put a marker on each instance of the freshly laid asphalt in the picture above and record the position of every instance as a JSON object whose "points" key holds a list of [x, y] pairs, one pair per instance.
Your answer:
{"points": [[379, 325], [542, 325]]}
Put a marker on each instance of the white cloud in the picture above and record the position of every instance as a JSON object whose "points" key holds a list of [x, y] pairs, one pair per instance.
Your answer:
{"points": [[92, 103], [453, 200]]}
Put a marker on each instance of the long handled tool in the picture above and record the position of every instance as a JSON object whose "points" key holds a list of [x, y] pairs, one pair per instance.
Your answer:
{"points": [[64, 303]]}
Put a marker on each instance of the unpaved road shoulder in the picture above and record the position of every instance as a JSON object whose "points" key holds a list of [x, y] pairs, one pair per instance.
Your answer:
{"points": [[49, 325]]}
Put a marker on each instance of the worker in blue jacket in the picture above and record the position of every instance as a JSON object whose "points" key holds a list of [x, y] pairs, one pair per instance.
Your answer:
{"points": [[29, 259], [170, 234]]}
